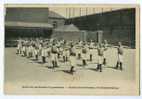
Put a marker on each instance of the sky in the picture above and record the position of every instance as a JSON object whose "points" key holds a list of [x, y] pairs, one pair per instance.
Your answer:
{"points": [[79, 11], [69, 11], [75, 12]]}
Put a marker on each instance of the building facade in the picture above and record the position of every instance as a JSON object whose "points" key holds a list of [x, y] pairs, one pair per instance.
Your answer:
{"points": [[118, 25], [31, 22]]}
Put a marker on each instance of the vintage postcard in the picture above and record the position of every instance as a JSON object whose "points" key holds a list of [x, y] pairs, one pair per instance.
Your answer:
{"points": [[72, 49]]}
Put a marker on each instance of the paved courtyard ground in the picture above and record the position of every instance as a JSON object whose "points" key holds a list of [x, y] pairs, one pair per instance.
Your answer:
{"points": [[23, 72]]}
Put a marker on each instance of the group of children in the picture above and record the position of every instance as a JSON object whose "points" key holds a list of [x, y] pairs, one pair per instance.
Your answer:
{"points": [[68, 51]]}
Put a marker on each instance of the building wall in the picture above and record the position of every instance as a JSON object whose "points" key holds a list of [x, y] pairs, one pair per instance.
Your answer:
{"points": [[16, 32], [40, 15], [117, 25], [67, 35], [27, 14], [58, 21], [32, 15]]}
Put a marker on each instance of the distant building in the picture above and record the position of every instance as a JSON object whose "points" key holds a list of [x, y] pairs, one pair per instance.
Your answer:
{"points": [[67, 32], [55, 19], [118, 25], [31, 22]]}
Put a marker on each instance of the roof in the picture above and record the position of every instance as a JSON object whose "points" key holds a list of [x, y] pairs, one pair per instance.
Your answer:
{"points": [[55, 15], [67, 28], [40, 15], [27, 24]]}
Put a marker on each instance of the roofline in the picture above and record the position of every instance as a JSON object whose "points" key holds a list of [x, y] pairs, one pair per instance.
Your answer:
{"points": [[27, 24], [100, 13], [56, 17]]}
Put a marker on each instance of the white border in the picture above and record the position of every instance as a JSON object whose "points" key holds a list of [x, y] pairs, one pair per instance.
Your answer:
{"points": [[2, 96], [73, 1]]}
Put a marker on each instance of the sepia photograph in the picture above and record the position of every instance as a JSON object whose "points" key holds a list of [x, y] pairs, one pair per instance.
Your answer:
{"points": [[71, 49]]}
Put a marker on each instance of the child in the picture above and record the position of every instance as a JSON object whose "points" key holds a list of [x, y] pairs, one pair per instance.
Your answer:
{"points": [[91, 47], [72, 59], [105, 49], [43, 54], [84, 54], [54, 52], [120, 56], [100, 57]]}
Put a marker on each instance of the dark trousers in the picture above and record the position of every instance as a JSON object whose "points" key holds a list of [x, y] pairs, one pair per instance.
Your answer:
{"points": [[30, 54], [18, 52], [72, 69], [99, 67], [58, 55], [24, 54], [65, 58], [90, 57], [119, 64], [54, 63], [49, 54], [43, 59], [84, 62], [36, 56], [104, 62], [79, 56]]}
